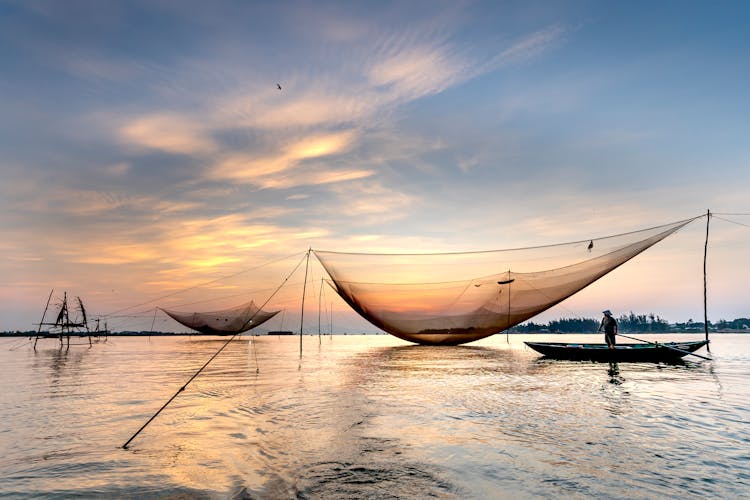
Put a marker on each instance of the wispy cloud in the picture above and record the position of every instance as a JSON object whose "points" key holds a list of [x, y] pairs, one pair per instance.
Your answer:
{"points": [[94, 66], [301, 103], [416, 72], [373, 202], [269, 171], [86, 203], [530, 46], [314, 178], [307, 115], [173, 133]]}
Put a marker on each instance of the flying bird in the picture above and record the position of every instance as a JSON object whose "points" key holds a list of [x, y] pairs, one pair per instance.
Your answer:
{"points": [[591, 245], [278, 86]]}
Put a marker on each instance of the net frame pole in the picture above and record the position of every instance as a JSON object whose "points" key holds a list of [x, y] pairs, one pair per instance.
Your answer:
{"points": [[304, 290], [507, 329], [153, 322], [39, 330], [320, 297], [705, 284]]}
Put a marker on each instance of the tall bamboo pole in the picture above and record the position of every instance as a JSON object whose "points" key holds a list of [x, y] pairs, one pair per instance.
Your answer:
{"points": [[705, 286], [39, 331], [320, 297], [302, 315], [507, 329]]}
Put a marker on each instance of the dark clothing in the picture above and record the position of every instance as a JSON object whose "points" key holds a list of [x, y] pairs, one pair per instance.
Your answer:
{"points": [[609, 325], [610, 338]]}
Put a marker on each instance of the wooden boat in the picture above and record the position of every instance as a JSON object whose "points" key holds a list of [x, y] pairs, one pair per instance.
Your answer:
{"points": [[654, 353]]}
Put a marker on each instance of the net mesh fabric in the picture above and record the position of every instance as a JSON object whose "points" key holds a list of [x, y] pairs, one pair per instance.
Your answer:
{"points": [[227, 321], [456, 298]]}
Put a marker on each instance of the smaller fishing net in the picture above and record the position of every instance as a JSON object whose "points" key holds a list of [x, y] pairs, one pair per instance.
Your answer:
{"points": [[225, 322]]}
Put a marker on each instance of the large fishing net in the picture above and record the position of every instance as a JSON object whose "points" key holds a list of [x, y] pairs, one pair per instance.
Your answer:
{"points": [[225, 322], [454, 298]]}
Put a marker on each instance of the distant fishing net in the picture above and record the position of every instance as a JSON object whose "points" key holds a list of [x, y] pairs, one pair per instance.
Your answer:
{"points": [[456, 298], [227, 321]]}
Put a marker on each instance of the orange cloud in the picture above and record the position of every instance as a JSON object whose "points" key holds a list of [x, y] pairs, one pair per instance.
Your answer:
{"points": [[117, 254], [292, 108], [314, 178], [263, 170], [167, 132]]}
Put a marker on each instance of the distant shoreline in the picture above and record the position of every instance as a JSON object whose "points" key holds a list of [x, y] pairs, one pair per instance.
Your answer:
{"points": [[196, 334], [179, 334]]}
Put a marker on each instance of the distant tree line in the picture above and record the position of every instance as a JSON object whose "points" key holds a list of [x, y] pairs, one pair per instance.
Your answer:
{"points": [[632, 323], [559, 325], [735, 324]]}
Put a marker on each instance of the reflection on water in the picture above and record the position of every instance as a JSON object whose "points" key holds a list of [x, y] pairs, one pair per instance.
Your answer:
{"points": [[368, 416], [614, 374]]}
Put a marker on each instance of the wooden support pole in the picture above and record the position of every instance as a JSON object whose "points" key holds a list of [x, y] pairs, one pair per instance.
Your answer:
{"points": [[320, 297], [705, 286], [302, 315], [39, 331], [507, 328]]}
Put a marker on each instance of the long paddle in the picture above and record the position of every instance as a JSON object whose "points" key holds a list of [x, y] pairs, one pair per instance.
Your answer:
{"points": [[664, 345]]}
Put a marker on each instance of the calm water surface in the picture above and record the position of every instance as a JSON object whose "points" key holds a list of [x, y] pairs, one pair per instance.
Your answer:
{"points": [[369, 417]]}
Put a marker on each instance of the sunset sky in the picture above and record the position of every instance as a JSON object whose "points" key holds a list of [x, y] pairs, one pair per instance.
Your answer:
{"points": [[145, 147]]}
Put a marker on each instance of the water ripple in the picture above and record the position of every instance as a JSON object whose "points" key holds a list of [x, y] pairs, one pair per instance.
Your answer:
{"points": [[369, 417]]}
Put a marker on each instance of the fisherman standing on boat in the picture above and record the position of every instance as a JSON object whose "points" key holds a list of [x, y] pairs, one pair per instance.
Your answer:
{"points": [[609, 325]]}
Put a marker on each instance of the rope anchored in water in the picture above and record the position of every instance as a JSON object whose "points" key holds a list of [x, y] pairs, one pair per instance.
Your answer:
{"points": [[181, 389], [125, 446]]}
